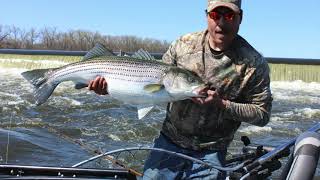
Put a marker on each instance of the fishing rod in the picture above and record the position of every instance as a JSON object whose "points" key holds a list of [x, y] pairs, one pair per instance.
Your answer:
{"points": [[276, 151], [8, 139], [165, 151]]}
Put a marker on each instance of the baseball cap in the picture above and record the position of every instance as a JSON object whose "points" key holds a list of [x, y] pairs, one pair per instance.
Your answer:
{"points": [[235, 5]]}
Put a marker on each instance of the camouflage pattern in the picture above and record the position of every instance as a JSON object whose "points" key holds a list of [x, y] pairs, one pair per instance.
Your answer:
{"points": [[235, 5], [239, 74]]}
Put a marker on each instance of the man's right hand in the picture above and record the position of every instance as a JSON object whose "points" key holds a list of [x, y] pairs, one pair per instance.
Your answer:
{"points": [[212, 97], [98, 85]]}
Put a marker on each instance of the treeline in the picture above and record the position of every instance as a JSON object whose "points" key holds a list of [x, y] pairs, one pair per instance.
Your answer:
{"points": [[75, 40]]}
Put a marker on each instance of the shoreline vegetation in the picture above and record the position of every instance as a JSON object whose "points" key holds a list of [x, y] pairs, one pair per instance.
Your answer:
{"points": [[50, 38]]}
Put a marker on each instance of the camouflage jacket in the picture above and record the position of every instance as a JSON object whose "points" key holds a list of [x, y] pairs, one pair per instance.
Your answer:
{"points": [[239, 74]]}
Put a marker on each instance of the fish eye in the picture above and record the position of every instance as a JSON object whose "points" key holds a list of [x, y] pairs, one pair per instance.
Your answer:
{"points": [[191, 80]]}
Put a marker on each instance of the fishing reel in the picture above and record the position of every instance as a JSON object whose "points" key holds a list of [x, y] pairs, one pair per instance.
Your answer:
{"points": [[250, 153]]}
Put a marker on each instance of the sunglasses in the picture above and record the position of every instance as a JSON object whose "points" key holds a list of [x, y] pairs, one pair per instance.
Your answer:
{"points": [[228, 16]]}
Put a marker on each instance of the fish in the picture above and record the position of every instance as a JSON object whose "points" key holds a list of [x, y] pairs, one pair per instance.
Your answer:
{"points": [[139, 80]]}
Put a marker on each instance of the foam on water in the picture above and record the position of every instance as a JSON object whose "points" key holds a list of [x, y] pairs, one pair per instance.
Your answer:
{"points": [[298, 85], [296, 114], [114, 137], [308, 112], [255, 129], [44, 62], [295, 101], [11, 99], [11, 71], [13, 96], [72, 102], [9, 95], [297, 91]]}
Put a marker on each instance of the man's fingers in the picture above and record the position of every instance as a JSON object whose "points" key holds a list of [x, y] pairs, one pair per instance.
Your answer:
{"points": [[197, 100], [95, 83], [208, 99], [194, 100], [100, 85], [211, 93], [104, 87], [203, 91], [90, 85]]}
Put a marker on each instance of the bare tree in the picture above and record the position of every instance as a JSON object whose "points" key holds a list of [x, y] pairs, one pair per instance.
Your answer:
{"points": [[31, 39], [50, 38], [14, 37], [3, 35]]}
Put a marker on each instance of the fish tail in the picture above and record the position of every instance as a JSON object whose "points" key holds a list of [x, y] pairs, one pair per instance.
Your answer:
{"points": [[39, 78]]}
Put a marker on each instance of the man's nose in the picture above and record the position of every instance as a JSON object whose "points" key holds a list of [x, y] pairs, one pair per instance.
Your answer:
{"points": [[222, 22]]}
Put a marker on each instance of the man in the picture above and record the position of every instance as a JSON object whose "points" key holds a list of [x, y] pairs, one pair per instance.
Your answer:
{"points": [[238, 80]]}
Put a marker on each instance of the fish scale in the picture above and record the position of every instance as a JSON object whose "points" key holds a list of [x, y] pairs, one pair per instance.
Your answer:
{"points": [[119, 64], [113, 69]]}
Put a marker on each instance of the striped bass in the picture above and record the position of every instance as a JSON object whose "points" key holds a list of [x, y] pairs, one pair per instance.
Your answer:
{"points": [[139, 80]]}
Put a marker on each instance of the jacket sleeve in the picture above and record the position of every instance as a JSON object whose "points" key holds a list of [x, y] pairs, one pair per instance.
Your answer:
{"points": [[169, 57], [257, 105]]}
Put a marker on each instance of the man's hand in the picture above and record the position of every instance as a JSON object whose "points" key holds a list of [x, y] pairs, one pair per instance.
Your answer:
{"points": [[212, 97], [99, 86]]}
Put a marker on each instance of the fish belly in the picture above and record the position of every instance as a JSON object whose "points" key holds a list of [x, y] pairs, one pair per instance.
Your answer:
{"points": [[134, 93]]}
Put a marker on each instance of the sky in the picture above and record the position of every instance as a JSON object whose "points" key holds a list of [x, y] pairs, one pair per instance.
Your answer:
{"points": [[276, 28]]}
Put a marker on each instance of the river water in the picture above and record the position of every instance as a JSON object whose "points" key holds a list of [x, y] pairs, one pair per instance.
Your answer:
{"points": [[74, 123]]}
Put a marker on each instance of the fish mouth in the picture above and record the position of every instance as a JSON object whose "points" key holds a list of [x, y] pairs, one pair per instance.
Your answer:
{"points": [[200, 91]]}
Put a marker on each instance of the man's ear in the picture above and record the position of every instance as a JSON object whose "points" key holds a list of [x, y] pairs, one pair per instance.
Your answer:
{"points": [[241, 14], [206, 12]]}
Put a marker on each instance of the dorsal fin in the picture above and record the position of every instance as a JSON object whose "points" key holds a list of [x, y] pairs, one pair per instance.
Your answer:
{"points": [[142, 54], [97, 51]]}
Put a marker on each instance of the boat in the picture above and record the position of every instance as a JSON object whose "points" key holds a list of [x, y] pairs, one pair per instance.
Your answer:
{"points": [[302, 151]]}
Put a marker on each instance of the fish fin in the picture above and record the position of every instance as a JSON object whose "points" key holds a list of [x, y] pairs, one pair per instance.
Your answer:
{"points": [[39, 79], [152, 88], [37, 76], [80, 85], [42, 93], [142, 54], [143, 111], [97, 51]]}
